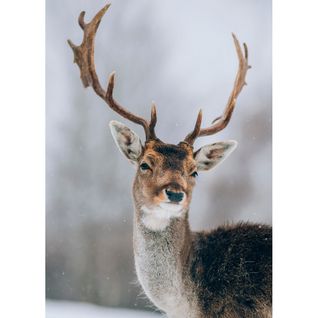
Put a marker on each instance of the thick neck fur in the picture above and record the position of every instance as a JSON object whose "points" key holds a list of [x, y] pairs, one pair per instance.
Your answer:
{"points": [[160, 258], [222, 273]]}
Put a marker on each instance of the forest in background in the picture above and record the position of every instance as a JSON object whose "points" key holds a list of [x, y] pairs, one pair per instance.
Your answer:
{"points": [[181, 55]]}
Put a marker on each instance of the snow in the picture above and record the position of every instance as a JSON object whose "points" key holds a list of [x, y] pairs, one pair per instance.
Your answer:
{"points": [[67, 309]]}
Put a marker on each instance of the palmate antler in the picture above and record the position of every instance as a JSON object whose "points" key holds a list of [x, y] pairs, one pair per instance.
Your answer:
{"points": [[84, 58], [221, 122]]}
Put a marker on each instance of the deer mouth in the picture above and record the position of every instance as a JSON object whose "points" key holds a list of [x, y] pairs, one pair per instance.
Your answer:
{"points": [[171, 206], [164, 211]]}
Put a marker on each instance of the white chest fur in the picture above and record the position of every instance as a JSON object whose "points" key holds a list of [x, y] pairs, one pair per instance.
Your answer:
{"points": [[159, 270], [159, 217]]}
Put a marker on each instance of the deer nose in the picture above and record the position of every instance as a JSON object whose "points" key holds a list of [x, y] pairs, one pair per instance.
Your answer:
{"points": [[174, 196]]}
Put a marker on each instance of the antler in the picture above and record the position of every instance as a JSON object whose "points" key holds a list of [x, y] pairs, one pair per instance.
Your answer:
{"points": [[221, 122], [84, 58]]}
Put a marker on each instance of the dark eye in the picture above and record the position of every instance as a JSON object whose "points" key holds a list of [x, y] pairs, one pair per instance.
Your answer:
{"points": [[194, 174], [144, 166]]}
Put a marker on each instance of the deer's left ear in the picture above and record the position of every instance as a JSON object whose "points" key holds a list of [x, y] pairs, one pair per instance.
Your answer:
{"points": [[209, 156], [127, 141]]}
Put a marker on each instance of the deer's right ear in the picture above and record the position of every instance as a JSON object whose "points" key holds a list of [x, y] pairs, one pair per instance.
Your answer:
{"points": [[210, 156], [126, 140]]}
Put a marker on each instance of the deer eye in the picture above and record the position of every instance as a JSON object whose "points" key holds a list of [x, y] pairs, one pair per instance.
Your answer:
{"points": [[194, 174], [144, 166]]}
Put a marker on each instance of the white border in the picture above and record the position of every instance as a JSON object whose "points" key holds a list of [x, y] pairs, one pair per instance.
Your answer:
{"points": [[295, 158], [22, 158]]}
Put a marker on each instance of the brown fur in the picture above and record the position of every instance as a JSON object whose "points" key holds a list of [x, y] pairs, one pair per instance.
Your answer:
{"points": [[171, 166], [186, 274], [226, 273]]}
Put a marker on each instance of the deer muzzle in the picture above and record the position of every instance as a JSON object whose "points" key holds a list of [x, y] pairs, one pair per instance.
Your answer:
{"points": [[174, 196]]}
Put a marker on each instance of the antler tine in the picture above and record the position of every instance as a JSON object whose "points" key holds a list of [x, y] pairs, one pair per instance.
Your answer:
{"points": [[196, 131], [81, 20], [153, 122], [221, 122], [113, 104], [84, 58]]}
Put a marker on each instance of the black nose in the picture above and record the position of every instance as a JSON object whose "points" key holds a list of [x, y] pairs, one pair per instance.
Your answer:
{"points": [[174, 196]]}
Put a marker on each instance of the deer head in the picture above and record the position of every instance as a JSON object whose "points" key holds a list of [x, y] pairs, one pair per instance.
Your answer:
{"points": [[165, 173]]}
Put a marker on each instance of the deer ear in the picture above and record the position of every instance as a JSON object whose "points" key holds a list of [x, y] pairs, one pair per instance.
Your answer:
{"points": [[126, 140], [209, 156]]}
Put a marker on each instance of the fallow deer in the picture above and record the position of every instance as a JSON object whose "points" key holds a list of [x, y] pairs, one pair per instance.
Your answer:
{"points": [[225, 272]]}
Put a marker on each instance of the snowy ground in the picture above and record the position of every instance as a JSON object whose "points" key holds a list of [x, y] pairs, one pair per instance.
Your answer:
{"points": [[67, 309]]}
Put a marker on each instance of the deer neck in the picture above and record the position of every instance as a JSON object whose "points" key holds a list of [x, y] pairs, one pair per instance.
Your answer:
{"points": [[162, 230], [160, 256]]}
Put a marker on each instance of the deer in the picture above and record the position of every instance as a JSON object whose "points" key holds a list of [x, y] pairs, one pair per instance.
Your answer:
{"points": [[225, 272]]}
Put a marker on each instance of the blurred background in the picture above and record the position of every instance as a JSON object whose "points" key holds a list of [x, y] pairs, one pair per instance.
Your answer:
{"points": [[181, 55]]}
